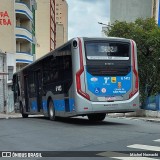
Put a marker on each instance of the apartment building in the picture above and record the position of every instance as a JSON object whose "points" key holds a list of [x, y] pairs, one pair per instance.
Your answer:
{"points": [[25, 32], [130, 10], [51, 25], [45, 27], [17, 30], [61, 22]]}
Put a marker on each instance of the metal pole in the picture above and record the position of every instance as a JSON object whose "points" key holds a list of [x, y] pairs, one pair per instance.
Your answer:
{"points": [[4, 96]]}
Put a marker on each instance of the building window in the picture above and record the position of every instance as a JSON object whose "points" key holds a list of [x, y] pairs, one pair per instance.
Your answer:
{"points": [[10, 73]]}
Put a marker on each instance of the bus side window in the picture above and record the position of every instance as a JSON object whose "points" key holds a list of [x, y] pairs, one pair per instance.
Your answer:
{"points": [[67, 67]]}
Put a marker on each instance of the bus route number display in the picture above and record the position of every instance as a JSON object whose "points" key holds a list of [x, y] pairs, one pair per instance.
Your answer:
{"points": [[108, 49]]}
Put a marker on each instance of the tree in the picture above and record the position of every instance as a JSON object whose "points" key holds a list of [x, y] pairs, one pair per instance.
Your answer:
{"points": [[146, 34]]}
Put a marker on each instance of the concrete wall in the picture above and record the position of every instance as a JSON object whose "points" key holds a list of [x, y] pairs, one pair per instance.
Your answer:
{"points": [[11, 59], [130, 10], [10, 100], [3, 83], [6, 94]]}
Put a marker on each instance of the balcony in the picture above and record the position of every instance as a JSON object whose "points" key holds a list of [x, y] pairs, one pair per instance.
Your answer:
{"points": [[23, 11], [23, 57], [23, 34]]}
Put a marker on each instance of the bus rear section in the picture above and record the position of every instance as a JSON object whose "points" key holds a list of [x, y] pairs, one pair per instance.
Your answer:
{"points": [[107, 76]]}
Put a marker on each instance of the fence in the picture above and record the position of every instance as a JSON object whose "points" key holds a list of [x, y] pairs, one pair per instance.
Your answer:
{"points": [[152, 103]]}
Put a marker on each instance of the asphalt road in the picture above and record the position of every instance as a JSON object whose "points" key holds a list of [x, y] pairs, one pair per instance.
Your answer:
{"points": [[107, 138]]}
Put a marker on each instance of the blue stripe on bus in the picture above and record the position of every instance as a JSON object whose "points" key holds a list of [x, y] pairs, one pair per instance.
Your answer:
{"points": [[44, 105], [61, 105], [34, 106], [71, 105]]}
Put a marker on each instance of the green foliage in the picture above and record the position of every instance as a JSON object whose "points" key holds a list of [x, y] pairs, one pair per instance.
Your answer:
{"points": [[146, 34]]}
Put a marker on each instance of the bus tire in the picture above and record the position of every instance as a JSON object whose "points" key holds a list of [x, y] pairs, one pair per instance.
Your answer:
{"points": [[51, 111], [22, 112], [97, 117]]}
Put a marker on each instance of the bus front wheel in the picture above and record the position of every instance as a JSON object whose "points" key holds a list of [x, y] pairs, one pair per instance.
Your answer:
{"points": [[51, 111], [97, 117]]}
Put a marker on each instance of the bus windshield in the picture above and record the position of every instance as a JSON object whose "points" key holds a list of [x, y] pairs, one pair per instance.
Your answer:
{"points": [[107, 51]]}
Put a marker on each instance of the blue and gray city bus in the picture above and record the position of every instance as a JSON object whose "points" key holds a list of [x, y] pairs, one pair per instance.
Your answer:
{"points": [[84, 77]]}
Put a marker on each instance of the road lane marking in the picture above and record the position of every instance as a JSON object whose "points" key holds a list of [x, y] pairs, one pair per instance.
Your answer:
{"points": [[145, 147], [157, 140], [134, 158]]}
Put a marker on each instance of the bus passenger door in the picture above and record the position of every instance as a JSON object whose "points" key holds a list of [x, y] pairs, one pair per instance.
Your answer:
{"points": [[26, 92], [38, 83]]}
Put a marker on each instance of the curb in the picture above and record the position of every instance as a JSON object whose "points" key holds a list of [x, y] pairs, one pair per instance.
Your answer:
{"points": [[152, 120], [145, 115], [155, 120], [10, 116], [15, 115]]}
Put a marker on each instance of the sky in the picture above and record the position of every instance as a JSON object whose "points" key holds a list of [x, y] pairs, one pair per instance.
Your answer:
{"points": [[84, 15]]}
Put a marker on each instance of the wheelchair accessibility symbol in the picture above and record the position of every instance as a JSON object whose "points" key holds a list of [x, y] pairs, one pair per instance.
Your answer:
{"points": [[97, 90]]}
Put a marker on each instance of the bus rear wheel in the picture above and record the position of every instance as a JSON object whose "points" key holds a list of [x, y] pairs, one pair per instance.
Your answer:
{"points": [[51, 111], [97, 117]]}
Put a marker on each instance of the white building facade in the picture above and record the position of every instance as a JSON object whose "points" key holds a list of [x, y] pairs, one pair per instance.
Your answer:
{"points": [[130, 10]]}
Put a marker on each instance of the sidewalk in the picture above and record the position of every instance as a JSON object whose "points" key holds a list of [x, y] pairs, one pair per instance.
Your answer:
{"points": [[10, 115], [146, 115]]}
